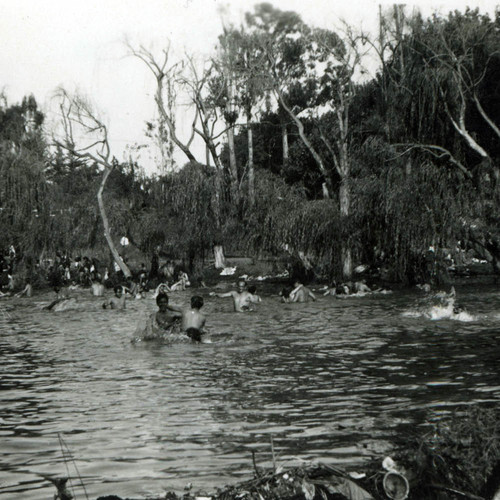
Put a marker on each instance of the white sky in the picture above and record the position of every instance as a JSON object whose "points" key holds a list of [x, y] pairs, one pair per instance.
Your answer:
{"points": [[79, 44]]}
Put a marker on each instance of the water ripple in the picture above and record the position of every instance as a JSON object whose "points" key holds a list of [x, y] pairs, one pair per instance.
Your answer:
{"points": [[334, 380]]}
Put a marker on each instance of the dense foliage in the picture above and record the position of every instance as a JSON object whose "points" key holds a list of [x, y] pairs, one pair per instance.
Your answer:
{"points": [[336, 165]]}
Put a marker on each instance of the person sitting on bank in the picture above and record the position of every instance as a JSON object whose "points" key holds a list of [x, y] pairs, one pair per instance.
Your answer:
{"points": [[181, 283], [330, 289], [134, 289], [242, 298], [116, 302], [27, 290], [161, 288], [97, 288], [343, 289], [143, 275], [361, 287]]}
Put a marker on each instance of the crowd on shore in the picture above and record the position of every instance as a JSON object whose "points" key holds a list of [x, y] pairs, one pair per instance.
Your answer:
{"points": [[19, 276]]}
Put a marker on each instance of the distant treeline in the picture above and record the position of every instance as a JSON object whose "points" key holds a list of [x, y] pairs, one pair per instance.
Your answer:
{"points": [[321, 160]]}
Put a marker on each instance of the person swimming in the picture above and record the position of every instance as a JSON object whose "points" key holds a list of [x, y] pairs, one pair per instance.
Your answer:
{"points": [[61, 296], [285, 294]]}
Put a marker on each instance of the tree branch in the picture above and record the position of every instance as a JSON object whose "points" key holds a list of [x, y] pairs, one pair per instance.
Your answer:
{"points": [[433, 150]]}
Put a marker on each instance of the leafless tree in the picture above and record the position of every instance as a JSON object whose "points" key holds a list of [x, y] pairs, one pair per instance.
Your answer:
{"points": [[85, 136]]}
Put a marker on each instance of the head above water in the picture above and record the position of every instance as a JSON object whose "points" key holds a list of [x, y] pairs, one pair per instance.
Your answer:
{"points": [[241, 285], [162, 298], [196, 302], [252, 289], [118, 290]]}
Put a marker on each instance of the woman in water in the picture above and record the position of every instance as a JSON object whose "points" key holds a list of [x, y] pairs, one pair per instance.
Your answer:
{"points": [[162, 322]]}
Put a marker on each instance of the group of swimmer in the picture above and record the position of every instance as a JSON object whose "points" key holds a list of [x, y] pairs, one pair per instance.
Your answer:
{"points": [[190, 321], [243, 299], [193, 320], [165, 320], [301, 293]]}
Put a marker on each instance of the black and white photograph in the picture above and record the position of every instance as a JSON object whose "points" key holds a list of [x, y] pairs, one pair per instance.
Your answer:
{"points": [[249, 250]]}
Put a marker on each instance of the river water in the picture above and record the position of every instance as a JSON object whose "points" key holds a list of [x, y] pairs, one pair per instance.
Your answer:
{"points": [[333, 381]]}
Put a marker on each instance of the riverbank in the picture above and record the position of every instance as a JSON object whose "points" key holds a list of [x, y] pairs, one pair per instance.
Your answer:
{"points": [[458, 458], [276, 270]]}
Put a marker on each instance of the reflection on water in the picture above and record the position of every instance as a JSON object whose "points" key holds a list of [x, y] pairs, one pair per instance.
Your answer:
{"points": [[333, 380]]}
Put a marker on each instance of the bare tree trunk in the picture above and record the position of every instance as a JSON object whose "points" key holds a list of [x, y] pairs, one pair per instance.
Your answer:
{"points": [[165, 141], [487, 119], [284, 141], [218, 197], [220, 260], [462, 130], [317, 157], [251, 172], [233, 169], [105, 223], [345, 205], [207, 155], [72, 111]]}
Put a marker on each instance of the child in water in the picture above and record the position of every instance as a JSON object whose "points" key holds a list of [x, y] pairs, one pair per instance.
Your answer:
{"points": [[193, 320]]}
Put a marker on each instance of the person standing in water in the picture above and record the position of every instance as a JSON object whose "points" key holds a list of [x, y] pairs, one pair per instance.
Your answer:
{"points": [[193, 320], [301, 293], [161, 323], [116, 302], [242, 298], [253, 290], [165, 317]]}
